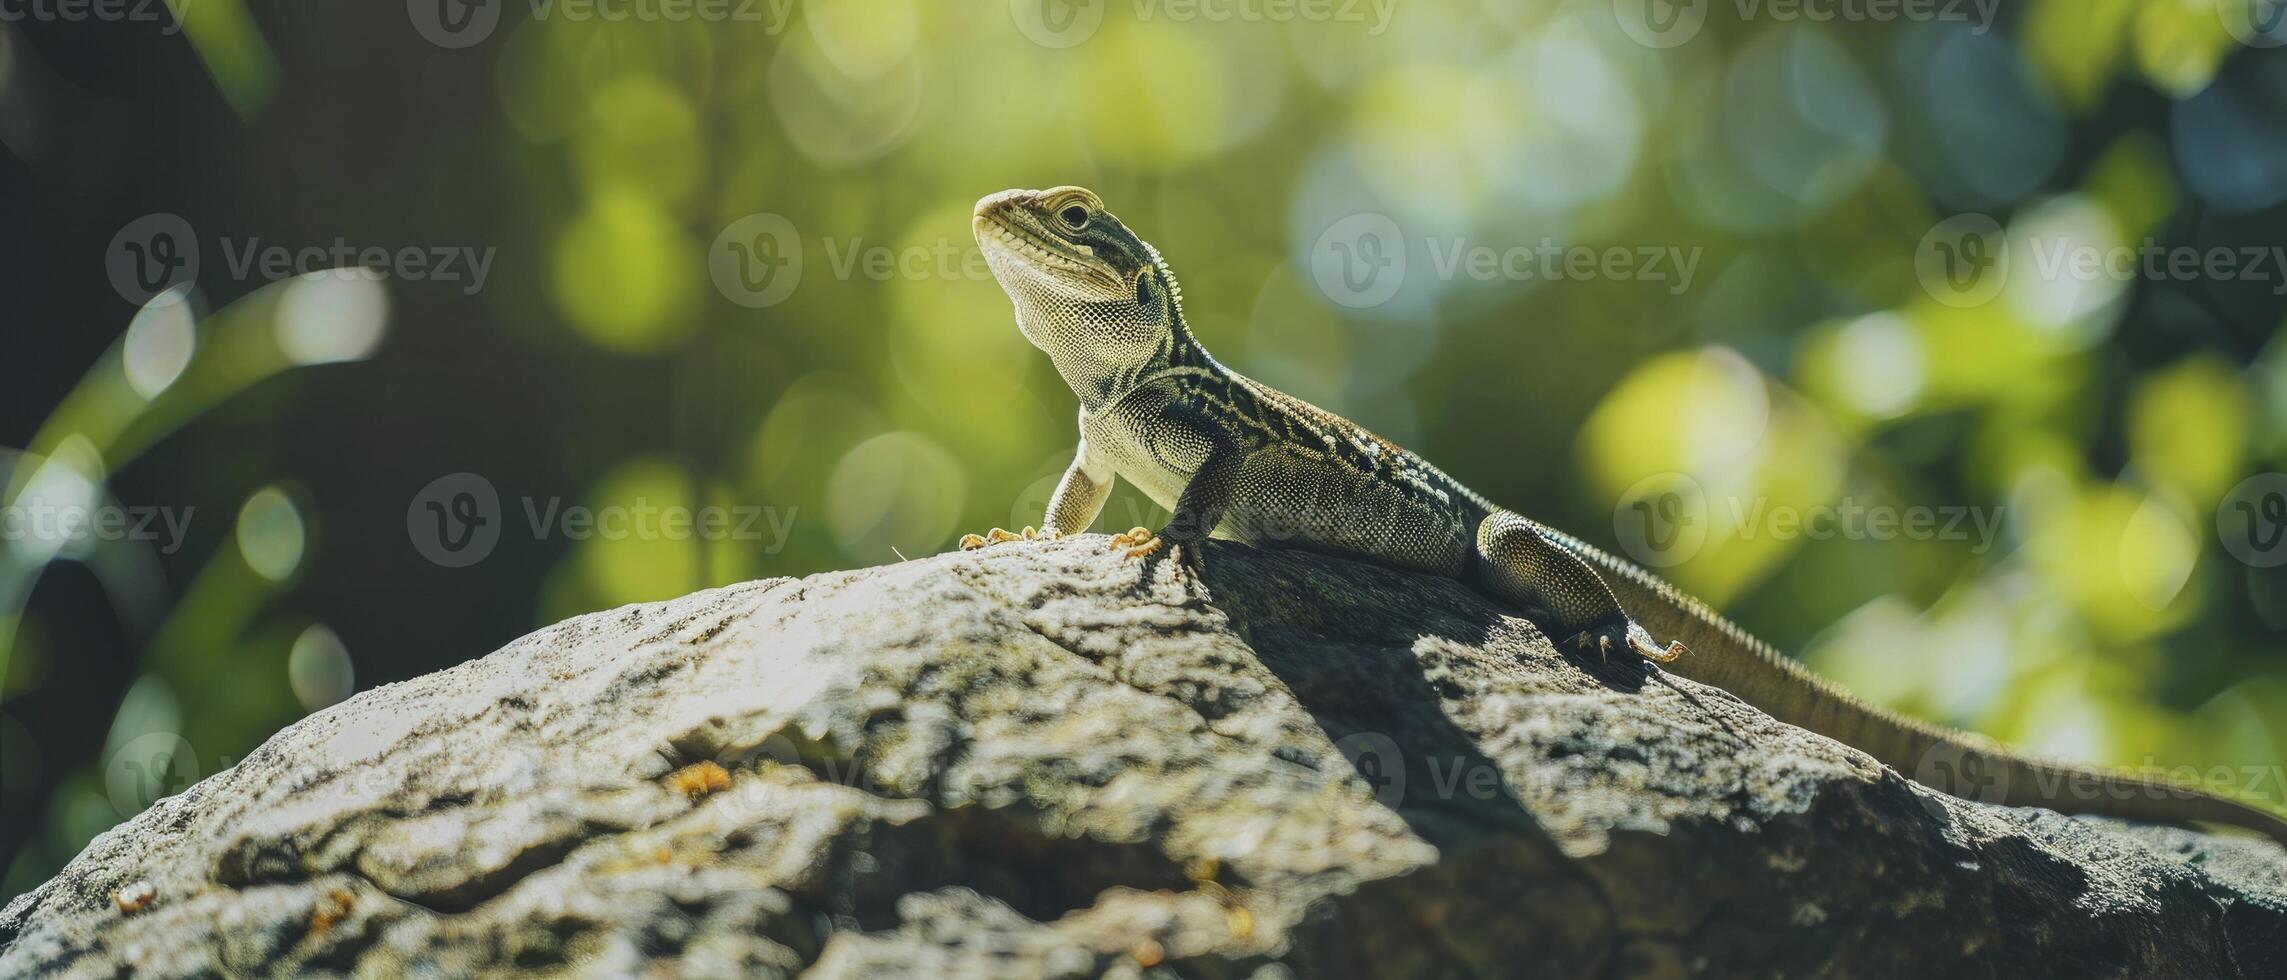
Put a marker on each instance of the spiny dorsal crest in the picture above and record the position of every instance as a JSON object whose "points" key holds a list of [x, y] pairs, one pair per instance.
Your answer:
{"points": [[1167, 275]]}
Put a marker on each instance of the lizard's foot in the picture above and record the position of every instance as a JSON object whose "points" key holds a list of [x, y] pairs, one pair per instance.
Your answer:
{"points": [[1137, 542], [1604, 640], [1140, 543], [971, 542]]}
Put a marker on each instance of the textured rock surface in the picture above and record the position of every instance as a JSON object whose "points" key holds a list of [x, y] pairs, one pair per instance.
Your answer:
{"points": [[1027, 761]]}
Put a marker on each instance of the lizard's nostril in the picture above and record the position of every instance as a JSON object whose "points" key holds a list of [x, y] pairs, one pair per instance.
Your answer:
{"points": [[992, 204]]}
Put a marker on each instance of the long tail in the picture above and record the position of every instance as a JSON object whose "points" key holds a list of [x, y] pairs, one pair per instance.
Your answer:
{"points": [[1958, 763]]}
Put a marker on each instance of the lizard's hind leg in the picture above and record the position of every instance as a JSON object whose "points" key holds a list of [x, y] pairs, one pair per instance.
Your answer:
{"points": [[1517, 563]]}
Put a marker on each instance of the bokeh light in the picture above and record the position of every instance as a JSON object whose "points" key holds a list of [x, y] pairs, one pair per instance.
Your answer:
{"points": [[271, 535]]}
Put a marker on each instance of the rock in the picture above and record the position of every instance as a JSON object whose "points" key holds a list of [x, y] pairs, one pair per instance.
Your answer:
{"points": [[1032, 761]]}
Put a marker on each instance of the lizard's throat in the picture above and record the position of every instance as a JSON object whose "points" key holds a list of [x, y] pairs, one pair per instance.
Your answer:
{"points": [[1095, 381]]}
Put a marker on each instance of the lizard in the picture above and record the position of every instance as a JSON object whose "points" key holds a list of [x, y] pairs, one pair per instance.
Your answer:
{"points": [[1231, 457]]}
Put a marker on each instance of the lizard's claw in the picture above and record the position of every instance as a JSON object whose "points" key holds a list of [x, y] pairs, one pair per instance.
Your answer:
{"points": [[971, 542]]}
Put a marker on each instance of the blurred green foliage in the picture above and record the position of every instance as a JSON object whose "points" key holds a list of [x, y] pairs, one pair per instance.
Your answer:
{"points": [[887, 403]]}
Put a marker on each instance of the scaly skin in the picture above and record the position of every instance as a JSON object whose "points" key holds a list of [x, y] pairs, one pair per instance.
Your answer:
{"points": [[1234, 458]]}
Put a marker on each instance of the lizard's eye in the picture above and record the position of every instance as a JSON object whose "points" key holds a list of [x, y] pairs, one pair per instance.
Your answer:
{"points": [[1074, 216]]}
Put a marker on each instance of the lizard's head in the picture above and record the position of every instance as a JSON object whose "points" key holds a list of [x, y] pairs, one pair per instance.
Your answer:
{"points": [[1098, 299]]}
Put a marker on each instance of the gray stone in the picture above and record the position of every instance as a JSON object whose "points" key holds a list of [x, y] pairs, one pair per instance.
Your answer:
{"points": [[1033, 761]]}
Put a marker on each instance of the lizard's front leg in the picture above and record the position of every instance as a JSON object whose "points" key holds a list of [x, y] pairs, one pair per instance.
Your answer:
{"points": [[1079, 497], [1199, 509], [1516, 562]]}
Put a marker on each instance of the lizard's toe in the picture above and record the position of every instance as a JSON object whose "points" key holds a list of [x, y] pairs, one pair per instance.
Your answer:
{"points": [[971, 542], [1645, 646], [1187, 558]]}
